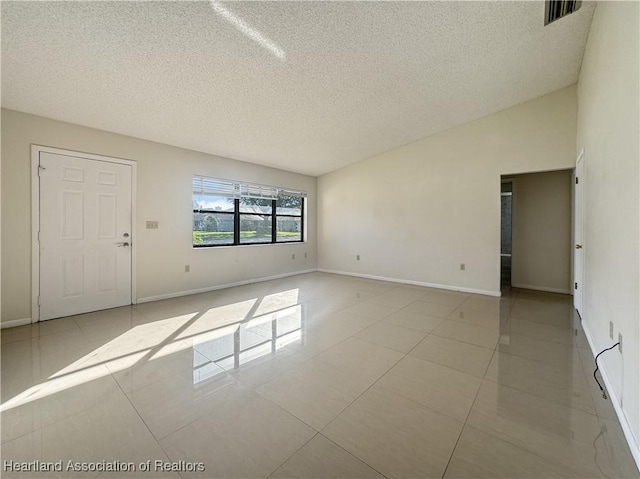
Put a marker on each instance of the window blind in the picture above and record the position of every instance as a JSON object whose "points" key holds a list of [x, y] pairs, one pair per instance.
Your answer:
{"points": [[213, 187], [288, 192], [258, 191], [205, 186]]}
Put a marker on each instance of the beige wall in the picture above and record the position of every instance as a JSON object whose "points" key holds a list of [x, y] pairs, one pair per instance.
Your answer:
{"points": [[542, 231], [608, 130], [416, 212], [163, 194]]}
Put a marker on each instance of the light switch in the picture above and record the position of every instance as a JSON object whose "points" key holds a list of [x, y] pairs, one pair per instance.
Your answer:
{"points": [[152, 225]]}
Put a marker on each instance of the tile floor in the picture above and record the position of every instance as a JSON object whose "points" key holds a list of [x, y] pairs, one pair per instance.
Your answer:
{"points": [[314, 376]]}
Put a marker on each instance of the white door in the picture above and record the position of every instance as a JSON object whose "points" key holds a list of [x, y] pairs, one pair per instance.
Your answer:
{"points": [[578, 249], [85, 235]]}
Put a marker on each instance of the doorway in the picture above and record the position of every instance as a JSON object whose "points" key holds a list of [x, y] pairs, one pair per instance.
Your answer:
{"points": [[536, 231], [83, 239]]}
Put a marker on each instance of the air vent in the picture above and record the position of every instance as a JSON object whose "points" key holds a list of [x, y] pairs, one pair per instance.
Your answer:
{"points": [[555, 9]]}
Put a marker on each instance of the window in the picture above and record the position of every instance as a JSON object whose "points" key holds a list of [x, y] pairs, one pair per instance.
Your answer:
{"points": [[256, 220], [227, 213], [289, 217]]}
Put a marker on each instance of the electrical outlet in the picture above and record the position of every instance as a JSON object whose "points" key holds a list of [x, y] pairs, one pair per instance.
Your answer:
{"points": [[293, 256], [620, 343], [610, 329], [357, 257], [187, 268], [152, 225], [462, 267]]}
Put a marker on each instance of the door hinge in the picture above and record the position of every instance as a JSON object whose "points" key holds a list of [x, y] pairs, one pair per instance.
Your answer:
{"points": [[38, 236], [577, 181], [575, 285], [38, 300]]}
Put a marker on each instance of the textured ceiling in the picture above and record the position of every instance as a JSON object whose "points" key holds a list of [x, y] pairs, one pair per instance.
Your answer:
{"points": [[304, 86]]}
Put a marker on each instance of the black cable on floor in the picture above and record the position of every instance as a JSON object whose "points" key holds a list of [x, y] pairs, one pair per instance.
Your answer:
{"points": [[604, 394]]}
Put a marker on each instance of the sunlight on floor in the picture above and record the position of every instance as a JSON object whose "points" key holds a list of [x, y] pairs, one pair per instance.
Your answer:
{"points": [[222, 338]]}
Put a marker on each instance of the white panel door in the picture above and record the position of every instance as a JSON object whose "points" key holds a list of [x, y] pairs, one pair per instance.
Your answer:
{"points": [[578, 231], [85, 235]]}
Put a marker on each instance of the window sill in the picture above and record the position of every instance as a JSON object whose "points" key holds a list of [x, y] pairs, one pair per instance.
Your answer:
{"points": [[225, 246]]}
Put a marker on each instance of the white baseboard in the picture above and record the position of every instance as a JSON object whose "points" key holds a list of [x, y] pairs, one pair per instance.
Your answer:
{"points": [[541, 288], [613, 397], [414, 283], [13, 323], [159, 297]]}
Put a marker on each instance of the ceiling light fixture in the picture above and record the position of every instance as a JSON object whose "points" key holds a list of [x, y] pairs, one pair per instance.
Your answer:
{"points": [[248, 30]]}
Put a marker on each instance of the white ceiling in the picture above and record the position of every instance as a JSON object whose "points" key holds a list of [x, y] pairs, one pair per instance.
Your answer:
{"points": [[304, 86]]}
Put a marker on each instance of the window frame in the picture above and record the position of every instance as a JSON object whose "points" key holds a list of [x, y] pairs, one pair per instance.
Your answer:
{"points": [[275, 222], [237, 214], [241, 214]]}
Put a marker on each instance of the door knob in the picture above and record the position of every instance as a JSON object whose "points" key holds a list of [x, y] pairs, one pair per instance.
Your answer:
{"points": [[578, 246], [125, 244]]}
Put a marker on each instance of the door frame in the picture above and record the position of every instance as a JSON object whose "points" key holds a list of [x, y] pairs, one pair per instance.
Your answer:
{"points": [[512, 180], [35, 218], [577, 212]]}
